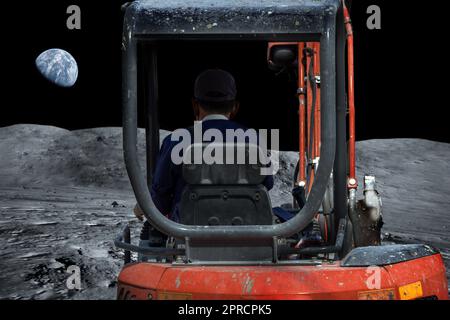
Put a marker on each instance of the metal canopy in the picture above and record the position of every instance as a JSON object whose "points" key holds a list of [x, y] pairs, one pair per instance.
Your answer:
{"points": [[216, 17]]}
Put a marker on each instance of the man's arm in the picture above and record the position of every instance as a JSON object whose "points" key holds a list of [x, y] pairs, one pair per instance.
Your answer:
{"points": [[268, 183], [163, 183]]}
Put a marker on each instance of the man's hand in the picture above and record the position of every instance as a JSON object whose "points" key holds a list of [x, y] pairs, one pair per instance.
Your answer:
{"points": [[138, 212]]}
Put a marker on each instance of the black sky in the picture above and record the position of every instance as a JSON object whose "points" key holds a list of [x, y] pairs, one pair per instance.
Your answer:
{"points": [[399, 68]]}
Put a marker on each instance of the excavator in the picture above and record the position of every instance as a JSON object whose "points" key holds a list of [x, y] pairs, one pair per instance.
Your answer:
{"points": [[228, 245]]}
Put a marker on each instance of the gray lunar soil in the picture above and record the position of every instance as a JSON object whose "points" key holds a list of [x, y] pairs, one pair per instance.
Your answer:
{"points": [[64, 195]]}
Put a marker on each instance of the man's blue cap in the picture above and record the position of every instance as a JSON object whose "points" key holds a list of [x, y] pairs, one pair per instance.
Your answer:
{"points": [[215, 85]]}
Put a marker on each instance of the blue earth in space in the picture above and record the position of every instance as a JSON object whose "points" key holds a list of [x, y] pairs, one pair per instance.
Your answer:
{"points": [[58, 66]]}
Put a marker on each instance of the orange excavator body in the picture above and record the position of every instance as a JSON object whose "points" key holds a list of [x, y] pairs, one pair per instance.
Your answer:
{"points": [[423, 278]]}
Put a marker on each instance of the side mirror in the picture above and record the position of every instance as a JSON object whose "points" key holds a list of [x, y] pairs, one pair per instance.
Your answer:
{"points": [[282, 56]]}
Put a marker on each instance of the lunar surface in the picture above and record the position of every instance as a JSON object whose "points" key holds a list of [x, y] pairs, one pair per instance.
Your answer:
{"points": [[58, 66], [65, 195]]}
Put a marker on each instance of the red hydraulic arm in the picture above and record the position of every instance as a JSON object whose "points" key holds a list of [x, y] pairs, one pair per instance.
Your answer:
{"points": [[305, 106], [301, 179], [352, 181], [317, 129]]}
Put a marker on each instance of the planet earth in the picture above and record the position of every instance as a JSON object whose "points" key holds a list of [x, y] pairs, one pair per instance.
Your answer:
{"points": [[58, 66]]}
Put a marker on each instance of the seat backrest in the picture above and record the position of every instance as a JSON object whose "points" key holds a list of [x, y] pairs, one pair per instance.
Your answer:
{"points": [[225, 194]]}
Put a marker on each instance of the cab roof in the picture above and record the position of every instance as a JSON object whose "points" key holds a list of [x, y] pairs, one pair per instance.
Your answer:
{"points": [[233, 17]]}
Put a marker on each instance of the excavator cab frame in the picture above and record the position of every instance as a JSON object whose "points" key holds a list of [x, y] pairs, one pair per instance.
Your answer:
{"points": [[316, 38]]}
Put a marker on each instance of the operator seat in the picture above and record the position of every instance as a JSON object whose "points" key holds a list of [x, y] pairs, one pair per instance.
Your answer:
{"points": [[225, 194], [219, 194]]}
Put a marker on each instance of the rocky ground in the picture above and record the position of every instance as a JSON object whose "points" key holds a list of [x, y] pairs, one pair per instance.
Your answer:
{"points": [[64, 195]]}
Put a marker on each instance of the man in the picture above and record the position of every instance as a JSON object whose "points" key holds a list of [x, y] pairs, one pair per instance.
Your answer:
{"points": [[214, 104]]}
